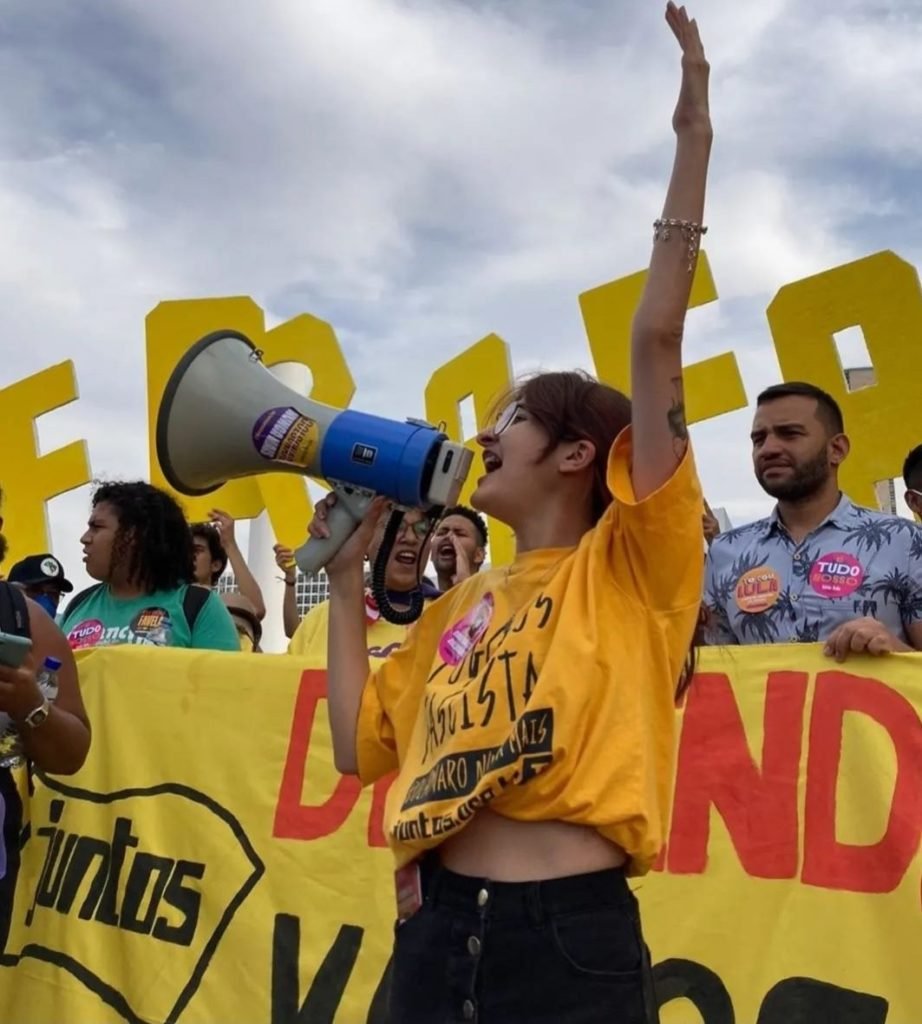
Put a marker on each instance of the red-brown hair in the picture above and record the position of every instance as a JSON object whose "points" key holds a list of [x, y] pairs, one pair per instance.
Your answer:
{"points": [[573, 406]]}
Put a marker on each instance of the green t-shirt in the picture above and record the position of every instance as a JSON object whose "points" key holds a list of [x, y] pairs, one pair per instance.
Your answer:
{"points": [[155, 619]]}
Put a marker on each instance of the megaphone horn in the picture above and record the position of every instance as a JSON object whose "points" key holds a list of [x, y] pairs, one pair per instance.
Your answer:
{"points": [[224, 416]]}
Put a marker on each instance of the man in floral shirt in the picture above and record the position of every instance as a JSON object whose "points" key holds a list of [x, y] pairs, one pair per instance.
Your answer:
{"points": [[819, 568]]}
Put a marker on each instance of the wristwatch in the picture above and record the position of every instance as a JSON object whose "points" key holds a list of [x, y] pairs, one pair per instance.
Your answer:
{"points": [[35, 718]]}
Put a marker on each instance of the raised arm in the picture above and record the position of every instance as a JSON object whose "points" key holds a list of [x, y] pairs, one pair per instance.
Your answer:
{"points": [[347, 649], [285, 560], [660, 434], [246, 581]]}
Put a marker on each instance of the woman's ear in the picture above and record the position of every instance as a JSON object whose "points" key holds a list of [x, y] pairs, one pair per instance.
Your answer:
{"points": [[577, 456]]}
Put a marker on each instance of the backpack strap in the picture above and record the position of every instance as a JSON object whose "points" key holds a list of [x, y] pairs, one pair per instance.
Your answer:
{"points": [[14, 612], [78, 599], [194, 600]]}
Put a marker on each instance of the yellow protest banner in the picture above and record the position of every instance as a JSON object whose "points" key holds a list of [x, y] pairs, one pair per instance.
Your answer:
{"points": [[209, 865]]}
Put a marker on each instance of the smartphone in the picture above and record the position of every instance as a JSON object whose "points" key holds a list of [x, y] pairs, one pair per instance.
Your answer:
{"points": [[13, 649]]}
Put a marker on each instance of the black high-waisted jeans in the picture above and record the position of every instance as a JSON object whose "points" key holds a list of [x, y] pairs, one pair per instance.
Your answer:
{"points": [[564, 951]]}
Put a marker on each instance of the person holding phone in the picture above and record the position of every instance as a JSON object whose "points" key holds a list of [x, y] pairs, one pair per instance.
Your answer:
{"points": [[55, 736], [530, 713]]}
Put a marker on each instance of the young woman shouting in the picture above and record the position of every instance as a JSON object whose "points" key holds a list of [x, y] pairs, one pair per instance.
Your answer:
{"points": [[531, 711]]}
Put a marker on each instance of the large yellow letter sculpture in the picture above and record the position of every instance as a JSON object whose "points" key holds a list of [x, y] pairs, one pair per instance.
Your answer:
{"points": [[29, 480], [482, 372], [173, 327], [712, 387], [881, 294]]}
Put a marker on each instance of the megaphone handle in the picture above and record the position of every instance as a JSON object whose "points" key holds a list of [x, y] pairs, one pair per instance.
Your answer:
{"points": [[342, 521]]}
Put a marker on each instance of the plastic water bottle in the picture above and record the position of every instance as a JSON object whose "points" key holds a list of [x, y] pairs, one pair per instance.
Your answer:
{"points": [[48, 678], [11, 745]]}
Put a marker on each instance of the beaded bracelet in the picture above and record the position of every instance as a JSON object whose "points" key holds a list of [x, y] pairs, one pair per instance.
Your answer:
{"points": [[691, 233]]}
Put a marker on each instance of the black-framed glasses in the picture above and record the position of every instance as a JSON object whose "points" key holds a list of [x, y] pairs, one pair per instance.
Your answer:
{"points": [[506, 418]]}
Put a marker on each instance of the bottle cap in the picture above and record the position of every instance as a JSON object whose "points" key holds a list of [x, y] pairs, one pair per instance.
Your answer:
{"points": [[52, 664]]}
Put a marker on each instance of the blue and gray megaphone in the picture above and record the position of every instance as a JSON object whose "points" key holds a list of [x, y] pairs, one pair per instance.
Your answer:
{"points": [[224, 415]]}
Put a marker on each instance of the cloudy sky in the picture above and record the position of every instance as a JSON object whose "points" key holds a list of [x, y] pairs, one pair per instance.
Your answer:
{"points": [[421, 173]]}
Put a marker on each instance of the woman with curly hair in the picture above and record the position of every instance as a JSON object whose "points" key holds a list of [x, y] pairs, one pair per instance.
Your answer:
{"points": [[139, 546]]}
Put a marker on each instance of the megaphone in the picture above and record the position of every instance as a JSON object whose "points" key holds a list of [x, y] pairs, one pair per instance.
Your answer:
{"points": [[224, 415]]}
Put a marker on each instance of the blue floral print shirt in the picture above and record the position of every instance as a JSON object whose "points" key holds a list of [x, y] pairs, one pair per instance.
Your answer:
{"points": [[763, 588]]}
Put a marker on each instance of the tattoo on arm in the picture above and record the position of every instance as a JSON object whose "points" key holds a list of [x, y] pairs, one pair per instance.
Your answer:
{"points": [[675, 417]]}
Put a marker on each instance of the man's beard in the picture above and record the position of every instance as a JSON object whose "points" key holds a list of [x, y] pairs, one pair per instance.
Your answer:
{"points": [[805, 481], [3, 547]]}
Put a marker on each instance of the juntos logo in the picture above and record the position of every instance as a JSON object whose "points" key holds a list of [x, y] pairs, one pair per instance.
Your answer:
{"points": [[152, 876]]}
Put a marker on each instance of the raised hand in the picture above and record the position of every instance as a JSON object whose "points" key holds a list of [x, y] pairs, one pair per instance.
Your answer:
{"points": [[225, 526], [19, 691], [692, 111], [285, 560], [657, 395], [710, 523], [351, 556], [462, 562]]}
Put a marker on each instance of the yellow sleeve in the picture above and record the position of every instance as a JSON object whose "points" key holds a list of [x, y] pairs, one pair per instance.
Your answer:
{"points": [[310, 638], [375, 739], [655, 546], [392, 697]]}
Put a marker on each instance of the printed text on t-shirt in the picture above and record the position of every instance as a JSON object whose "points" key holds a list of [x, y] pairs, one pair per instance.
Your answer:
{"points": [[507, 677]]}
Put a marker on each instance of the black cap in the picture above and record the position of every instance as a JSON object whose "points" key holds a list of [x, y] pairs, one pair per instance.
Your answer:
{"points": [[40, 569]]}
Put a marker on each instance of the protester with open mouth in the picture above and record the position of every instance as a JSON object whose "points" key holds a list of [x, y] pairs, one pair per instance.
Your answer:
{"points": [[459, 546], [530, 713], [408, 555]]}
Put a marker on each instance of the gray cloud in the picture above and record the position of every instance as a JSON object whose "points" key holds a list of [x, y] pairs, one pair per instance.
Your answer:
{"points": [[421, 174]]}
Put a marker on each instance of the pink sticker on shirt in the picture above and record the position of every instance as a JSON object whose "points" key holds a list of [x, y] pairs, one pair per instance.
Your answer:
{"points": [[458, 641], [837, 574], [86, 634]]}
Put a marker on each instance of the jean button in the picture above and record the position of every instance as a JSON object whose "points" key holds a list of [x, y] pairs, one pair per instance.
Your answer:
{"points": [[473, 945], [467, 1010]]}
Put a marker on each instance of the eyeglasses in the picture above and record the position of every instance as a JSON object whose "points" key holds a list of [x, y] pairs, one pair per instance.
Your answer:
{"points": [[506, 418], [420, 528]]}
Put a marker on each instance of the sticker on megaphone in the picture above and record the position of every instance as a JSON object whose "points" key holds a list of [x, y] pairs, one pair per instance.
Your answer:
{"points": [[224, 416], [285, 435]]}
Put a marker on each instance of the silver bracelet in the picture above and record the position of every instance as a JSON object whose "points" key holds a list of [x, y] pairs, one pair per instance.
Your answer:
{"points": [[691, 234]]}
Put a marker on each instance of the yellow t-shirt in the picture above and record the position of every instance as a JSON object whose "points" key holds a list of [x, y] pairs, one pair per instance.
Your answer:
{"points": [[310, 638], [547, 689]]}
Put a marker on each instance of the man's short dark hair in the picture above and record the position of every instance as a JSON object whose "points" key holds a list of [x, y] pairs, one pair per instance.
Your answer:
{"points": [[827, 410], [210, 535], [912, 469], [471, 516]]}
